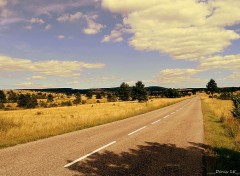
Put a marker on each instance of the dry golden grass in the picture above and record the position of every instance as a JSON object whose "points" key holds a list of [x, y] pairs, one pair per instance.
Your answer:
{"points": [[22, 126], [222, 134]]}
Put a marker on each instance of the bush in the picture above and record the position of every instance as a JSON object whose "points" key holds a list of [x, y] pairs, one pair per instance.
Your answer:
{"points": [[2, 97], [2, 106], [236, 102], [226, 96], [98, 96], [111, 98], [50, 98], [43, 104], [66, 103], [52, 105], [27, 101]]}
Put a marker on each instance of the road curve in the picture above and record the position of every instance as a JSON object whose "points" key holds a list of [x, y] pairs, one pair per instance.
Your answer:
{"points": [[162, 142]]}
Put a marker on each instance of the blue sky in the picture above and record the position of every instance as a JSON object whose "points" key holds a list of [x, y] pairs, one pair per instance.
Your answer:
{"points": [[94, 43]]}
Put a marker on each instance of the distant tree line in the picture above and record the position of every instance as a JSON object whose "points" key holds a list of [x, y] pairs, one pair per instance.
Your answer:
{"points": [[124, 92]]}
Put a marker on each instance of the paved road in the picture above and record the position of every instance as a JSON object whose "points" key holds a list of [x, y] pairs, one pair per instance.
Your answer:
{"points": [[162, 142]]}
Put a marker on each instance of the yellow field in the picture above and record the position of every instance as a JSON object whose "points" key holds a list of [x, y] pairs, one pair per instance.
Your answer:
{"points": [[22, 126]]}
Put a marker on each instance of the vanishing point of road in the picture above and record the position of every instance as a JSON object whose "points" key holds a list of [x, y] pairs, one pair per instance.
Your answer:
{"points": [[162, 142]]}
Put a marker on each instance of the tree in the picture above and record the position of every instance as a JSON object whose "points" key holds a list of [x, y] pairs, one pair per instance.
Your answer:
{"points": [[89, 94], [12, 96], [78, 98], [171, 93], [2, 97], [139, 92], [111, 97], [27, 101], [50, 98], [212, 87], [124, 92], [98, 96]]}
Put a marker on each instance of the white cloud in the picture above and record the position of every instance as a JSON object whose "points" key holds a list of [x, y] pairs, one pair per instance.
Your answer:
{"points": [[5, 13], [37, 21], [31, 85], [59, 7], [3, 3], [73, 83], [70, 17], [28, 27], [61, 37], [230, 62], [10, 20], [116, 34], [38, 77], [92, 26], [48, 27], [47, 68], [183, 29]]}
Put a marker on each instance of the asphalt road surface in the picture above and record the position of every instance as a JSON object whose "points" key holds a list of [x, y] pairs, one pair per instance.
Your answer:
{"points": [[162, 142]]}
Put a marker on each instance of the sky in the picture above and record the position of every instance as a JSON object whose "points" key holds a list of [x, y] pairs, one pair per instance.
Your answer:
{"points": [[102, 43]]}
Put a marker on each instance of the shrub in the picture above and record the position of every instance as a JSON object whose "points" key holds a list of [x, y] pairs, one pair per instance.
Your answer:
{"points": [[2, 106], [52, 105], [77, 98], [225, 96], [66, 103], [50, 98], [236, 109], [27, 101], [2, 97], [111, 98], [98, 96]]}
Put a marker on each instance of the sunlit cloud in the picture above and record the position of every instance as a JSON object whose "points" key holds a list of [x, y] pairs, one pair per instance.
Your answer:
{"points": [[47, 68], [175, 28], [92, 26]]}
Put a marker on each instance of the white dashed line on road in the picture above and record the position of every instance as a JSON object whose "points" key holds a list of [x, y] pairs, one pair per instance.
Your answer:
{"points": [[136, 130], [85, 156], [156, 121]]}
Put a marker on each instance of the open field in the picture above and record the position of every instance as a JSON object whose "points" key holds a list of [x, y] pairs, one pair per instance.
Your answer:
{"points": [[22, 126], [222, 135]]}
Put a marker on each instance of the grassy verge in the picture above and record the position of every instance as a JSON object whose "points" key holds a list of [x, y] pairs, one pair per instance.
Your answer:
{"points": [[22, 126], [222, 136]]}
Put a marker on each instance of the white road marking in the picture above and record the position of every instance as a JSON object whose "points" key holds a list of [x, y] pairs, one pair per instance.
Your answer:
{"points": [[156, 121], [136, 130], [85, 156], [166, 116]]}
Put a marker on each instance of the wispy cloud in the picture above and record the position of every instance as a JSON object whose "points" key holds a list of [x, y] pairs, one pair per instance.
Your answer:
{"points": [[60, 6], [61, 37], [31, 85], [47, 68], [92, 26], [37, 21], [116, 34], [70, 17], [48, 27]]}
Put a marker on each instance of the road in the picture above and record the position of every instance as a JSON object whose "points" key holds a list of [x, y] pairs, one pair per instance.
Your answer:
{"points": [[162, 142]]}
